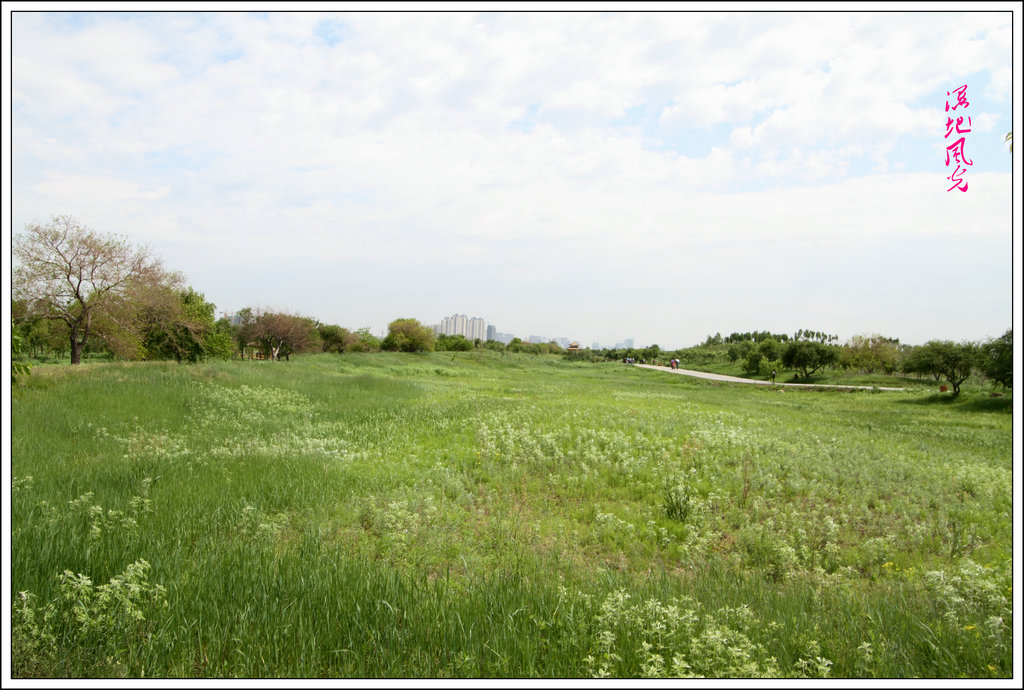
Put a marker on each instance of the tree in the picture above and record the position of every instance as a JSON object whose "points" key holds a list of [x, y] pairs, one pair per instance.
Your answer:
{"points": [[453, 343], [243, 330], [332, 337], [220, 342], [70, 273], [176, 324], [740, 350], [995, 359], [871, 353], [408, 335], [752, 363], [954, 361], [760, 360], [283, 334], [921, 361], [807, 356], [40, 336], [770, 349], [362, 341], [651, 353]]}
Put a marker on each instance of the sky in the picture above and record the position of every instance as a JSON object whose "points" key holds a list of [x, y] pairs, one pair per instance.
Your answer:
{"points": [[660, 175]]}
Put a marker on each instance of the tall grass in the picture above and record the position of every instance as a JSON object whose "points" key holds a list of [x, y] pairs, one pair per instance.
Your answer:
{"points": [[481, 515]]}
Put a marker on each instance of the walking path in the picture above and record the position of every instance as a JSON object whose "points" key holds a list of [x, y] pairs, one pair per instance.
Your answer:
{"points": [[736, 379]]}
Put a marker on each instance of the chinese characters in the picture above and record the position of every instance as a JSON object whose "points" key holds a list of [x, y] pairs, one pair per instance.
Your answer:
{"points": [[955, 125]]}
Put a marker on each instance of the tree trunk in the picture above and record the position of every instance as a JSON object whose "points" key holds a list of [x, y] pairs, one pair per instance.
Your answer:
{"points": [[76, 350]]}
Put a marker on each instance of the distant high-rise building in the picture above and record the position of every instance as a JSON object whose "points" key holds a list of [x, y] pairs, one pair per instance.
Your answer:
{"points": [[492, 332], [476, 329], [460, 324]]}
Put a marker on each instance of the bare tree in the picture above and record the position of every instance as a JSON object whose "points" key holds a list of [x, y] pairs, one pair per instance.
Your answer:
{"points": [[70, 273]]}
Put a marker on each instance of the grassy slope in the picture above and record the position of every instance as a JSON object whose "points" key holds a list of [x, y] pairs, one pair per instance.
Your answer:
{"points": [[478, 514]]}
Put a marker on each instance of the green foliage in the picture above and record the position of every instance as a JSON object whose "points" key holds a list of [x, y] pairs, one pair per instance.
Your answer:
{"points": [[41, 337], [408, 335], [740, 350], [453, 343], [815, 337], [770, 349], [517, 345], [921, 361], [808, 356], [243, 332], [759, 359], [177, 325], [752, 362], [364, 341], [219, 342], [650, 353], [756, 337], [871, 353], [954, 361], [332, 337], [995, 359], [18, 368]]}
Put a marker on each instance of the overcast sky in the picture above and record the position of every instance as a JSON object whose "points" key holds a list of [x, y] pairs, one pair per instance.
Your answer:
{"points": [[597, 176]]}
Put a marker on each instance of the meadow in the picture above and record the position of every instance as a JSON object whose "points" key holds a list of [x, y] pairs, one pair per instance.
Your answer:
{"points": [[497, 515]]}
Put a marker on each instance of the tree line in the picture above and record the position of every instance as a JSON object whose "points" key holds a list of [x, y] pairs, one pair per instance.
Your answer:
{"points": [[810, 352], [78, 292]]}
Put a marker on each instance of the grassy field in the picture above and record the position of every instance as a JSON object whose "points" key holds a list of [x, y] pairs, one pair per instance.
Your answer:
{"points": [[489, 515]]}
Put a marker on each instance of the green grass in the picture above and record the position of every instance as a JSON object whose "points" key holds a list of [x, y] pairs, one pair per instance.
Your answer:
{"points": [[487, 515]]}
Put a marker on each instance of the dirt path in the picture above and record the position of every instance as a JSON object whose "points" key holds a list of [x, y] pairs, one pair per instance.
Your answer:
{"points": [[736, 379]]}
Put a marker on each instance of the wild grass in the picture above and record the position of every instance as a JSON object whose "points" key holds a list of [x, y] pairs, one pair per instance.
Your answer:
{"points": [[481, 515]]}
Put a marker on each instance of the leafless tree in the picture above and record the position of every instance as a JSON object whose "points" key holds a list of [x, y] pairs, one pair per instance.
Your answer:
{"points": [[70, 273]]}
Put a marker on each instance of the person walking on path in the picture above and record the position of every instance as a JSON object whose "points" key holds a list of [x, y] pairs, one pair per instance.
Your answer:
{"points": [[773, 376]]}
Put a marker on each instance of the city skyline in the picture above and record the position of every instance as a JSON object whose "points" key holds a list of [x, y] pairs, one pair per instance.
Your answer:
{"points": [[476, 327]]}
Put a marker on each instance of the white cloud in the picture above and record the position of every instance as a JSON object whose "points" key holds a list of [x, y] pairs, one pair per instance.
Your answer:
{"points": [[253, 139], [91, 190]]}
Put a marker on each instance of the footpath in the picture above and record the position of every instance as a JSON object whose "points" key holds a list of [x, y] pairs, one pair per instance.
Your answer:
{"points": [[737, 379]]}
